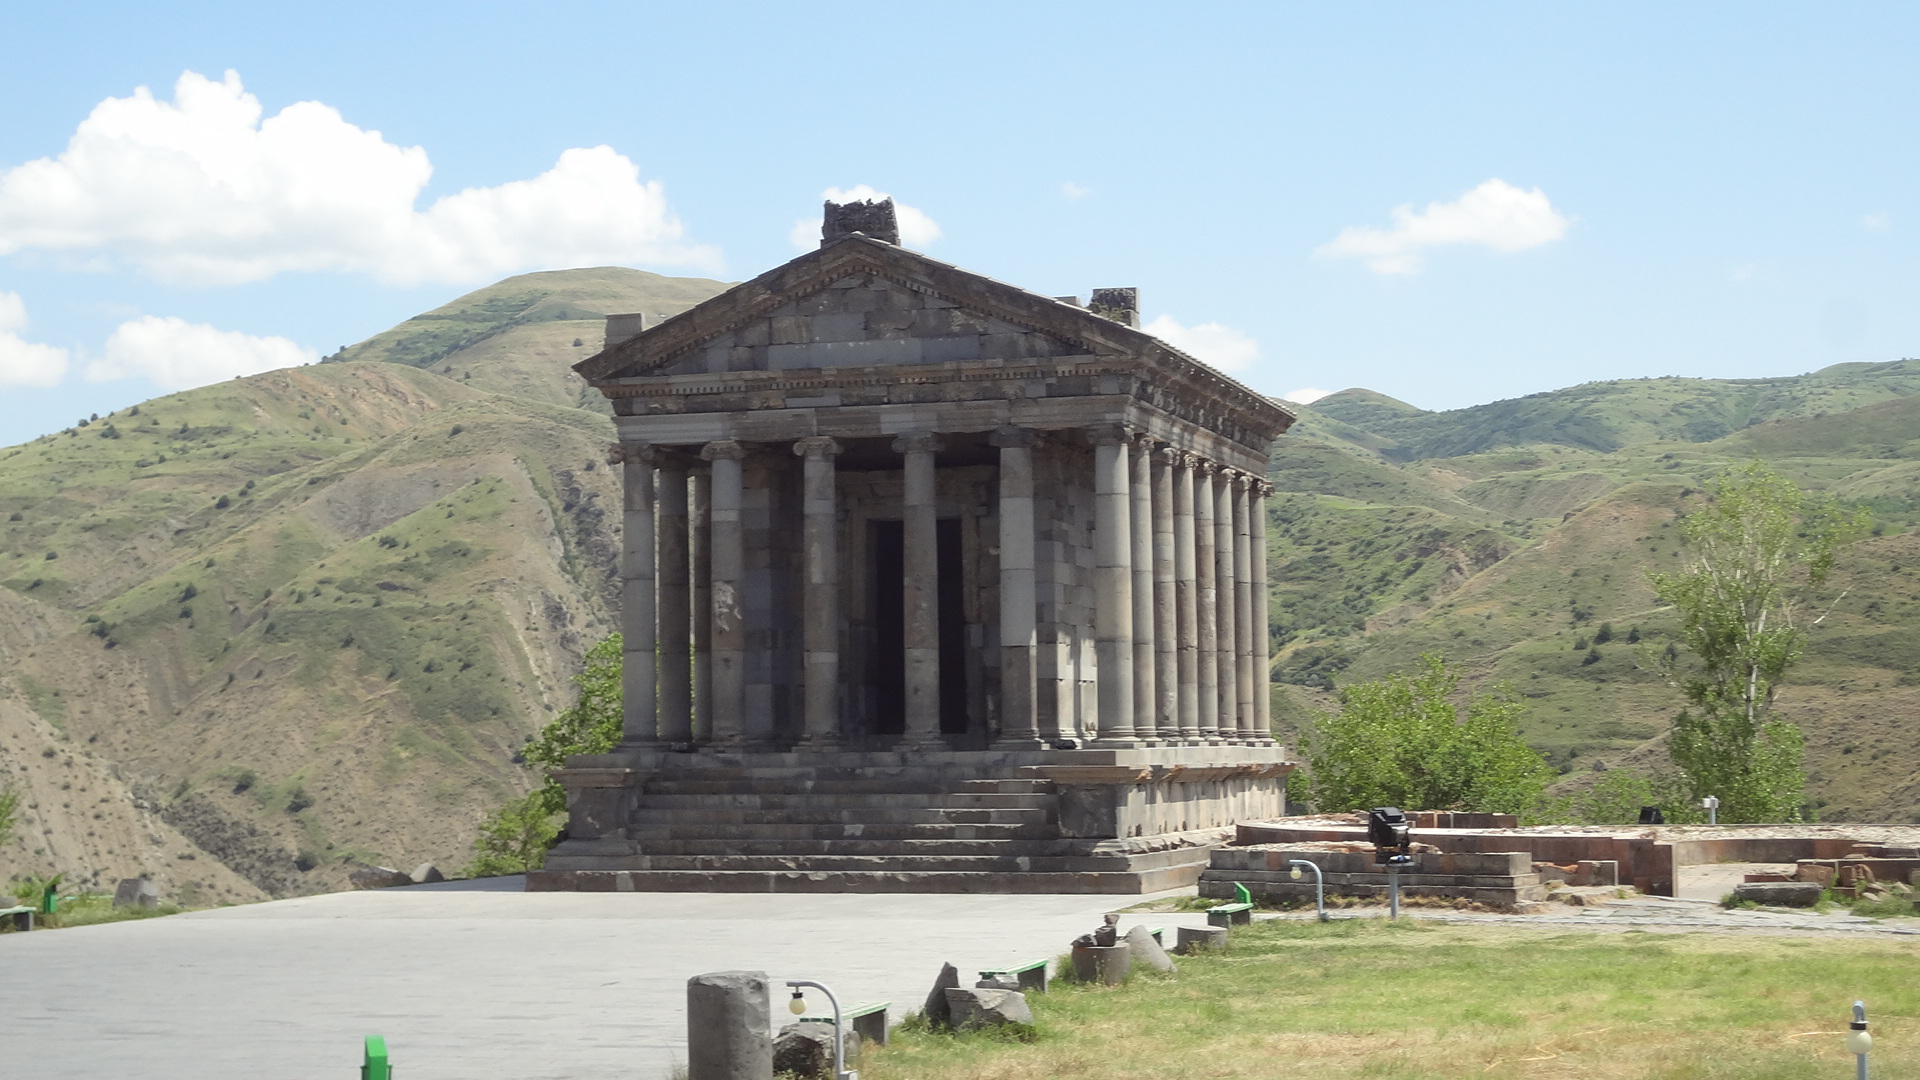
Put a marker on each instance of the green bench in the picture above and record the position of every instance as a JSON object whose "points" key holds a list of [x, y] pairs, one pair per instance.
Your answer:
{"points": [[22, 917], [374, 1065], [1230, 915], [1032, 975], [868, 1020]]}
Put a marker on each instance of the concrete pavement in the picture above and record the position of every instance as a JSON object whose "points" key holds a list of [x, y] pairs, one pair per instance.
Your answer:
{"points": [[475, 980]]}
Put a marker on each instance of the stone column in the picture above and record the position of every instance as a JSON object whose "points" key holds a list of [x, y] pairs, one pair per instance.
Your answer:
{"points": [[676, 630], [1206, 567], [820, 629], [919, 517], [1112, 583], [727, 616], [1019, 645], [1186, 560], [1262, 635], [1165, 607], [700, 599], [1243, 609], [729, 1034], [640, 719], [1140, 502], [1225, 590]]}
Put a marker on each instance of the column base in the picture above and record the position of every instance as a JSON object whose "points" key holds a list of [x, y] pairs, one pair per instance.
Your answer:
{"points": [[1118, 742], [1021, 743]]}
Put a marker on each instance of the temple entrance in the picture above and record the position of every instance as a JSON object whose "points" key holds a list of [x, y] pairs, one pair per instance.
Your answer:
{"points": [[887, 663]]}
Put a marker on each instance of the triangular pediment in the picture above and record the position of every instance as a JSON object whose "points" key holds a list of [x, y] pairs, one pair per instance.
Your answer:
{"points": [[863, 303]]}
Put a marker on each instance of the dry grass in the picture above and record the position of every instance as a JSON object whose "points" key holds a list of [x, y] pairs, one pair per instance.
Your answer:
{"points": [[1407, 1000]]}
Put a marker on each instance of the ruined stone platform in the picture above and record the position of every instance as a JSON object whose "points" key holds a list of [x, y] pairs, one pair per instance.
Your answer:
{"points": [[1502, 880], [1124, 821]]}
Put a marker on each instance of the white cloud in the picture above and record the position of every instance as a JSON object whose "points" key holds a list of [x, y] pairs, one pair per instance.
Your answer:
{"points": [[916, 228], [23, 363], [1305, 396], [1876, 222], [202, 190], [1074, 192], [178, 355], [1496, 214], [1219, 346]]}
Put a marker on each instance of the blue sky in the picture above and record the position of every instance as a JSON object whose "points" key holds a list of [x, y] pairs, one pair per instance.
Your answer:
{"points": [[1447, 203]]}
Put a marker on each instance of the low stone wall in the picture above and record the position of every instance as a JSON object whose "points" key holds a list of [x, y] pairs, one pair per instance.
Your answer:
{"points": [[1498, 879], [1123, 801], [1645, 863]]}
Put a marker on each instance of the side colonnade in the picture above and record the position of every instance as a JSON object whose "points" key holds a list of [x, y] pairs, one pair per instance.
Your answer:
{"points": [[1178, 580]]}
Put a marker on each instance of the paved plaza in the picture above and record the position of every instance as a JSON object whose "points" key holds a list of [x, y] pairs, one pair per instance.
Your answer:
{"points": [[475, 980]]}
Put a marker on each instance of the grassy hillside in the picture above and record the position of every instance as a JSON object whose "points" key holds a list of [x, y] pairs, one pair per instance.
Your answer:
{"points": [[277, 625], [1572, 517]]}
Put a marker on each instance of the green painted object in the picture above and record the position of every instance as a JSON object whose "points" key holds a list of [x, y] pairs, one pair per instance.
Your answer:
{"points": [[376, 1066], [1241, 894]]}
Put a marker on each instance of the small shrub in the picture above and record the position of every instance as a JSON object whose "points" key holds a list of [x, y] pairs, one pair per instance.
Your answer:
{"points": [[298, 800], [52, 555], [222, 503], [1592, 657]]}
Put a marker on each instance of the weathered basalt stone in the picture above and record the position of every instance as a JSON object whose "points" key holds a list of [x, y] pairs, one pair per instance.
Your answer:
{"points": [[978, 1008], [1781, 893]]}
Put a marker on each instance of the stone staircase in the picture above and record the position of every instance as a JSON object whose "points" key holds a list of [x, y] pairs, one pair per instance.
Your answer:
{"points": [[801, 828]]}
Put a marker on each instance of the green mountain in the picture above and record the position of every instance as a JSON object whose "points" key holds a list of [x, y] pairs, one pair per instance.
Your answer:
{"points": [[1560, 505]]}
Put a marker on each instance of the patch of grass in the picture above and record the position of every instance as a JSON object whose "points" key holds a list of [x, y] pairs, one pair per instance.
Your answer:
{"points": [[1363, 998]]}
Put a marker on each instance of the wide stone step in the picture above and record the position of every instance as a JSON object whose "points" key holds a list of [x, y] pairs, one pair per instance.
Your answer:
{"points": [[785, 799], [832, 816], [788, 830], [883, 863], [898, 881], [1003, 848]]}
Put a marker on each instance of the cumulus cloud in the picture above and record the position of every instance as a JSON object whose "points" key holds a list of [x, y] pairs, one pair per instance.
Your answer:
{"points": [[204, 190], [1074, 192], [1305, 395], [1496, 214], [23, 363], [916, 228], [1877, 222], [1218, 346], [178, 355]]}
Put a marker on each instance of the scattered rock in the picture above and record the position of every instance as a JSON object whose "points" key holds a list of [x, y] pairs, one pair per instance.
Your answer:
{"points": [[939, 1016], [806, 1049], [987, 1008], [377, 877], [999, 981], [1146, 950], [426, 872], [136, 892], [1782, 893]]}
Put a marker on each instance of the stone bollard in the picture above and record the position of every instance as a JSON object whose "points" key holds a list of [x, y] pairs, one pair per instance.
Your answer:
{"points": [[729, 1029], [1200, 937], [1102, 963]]}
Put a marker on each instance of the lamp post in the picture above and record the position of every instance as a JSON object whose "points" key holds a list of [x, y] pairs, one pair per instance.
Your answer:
{"points": [[798, 1006], [1319, 885], [1712, 803], [1858, 1041]]}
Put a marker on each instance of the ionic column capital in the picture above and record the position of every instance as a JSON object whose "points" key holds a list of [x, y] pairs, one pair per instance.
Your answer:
{"points": [[723, 450], [622, 453], [917, 442], [1205, 467], [1109, 434], [1262, 488], [1240, 481], [1172, 455], [815, 446], [1013, 437]]}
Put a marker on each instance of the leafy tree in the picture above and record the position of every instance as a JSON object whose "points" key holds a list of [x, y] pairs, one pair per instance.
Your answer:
{"points": [[1761, 553], [515, 838], [1400, 741], [9, 813]]}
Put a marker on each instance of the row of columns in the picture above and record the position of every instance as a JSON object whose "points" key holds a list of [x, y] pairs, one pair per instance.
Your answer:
{"points": [[1179, 582]]}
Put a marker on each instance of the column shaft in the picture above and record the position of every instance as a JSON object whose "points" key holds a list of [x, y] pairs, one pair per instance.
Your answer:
{"points": [[1226, 589], [676, 631], [1112, 585], [640, 717], [821, 600], [1140, 502], [1019, 647], [700, 599], [728, 613], [920, 521], [1165, 607], [1243, 609], [1263, 635], [1207, 567], [1186, 559]]}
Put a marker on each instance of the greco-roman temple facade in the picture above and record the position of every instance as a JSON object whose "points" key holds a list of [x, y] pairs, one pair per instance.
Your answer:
{"points": [[930, 583]]}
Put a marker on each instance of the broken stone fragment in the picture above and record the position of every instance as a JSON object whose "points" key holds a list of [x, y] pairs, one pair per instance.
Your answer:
{"points": [[377, 877], [1146, 949], [987, 1008], [939, 1016]]}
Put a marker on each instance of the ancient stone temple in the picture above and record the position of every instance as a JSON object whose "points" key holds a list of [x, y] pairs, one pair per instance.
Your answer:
{"points": [[931, 583]]}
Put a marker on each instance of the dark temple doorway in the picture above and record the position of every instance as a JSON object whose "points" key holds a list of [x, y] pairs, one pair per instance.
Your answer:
{"points": [[886, 668]]}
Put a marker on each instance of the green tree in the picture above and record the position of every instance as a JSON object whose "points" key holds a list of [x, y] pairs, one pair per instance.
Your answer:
{"points": [[1401, 741], [9, 813], [515, 838], [1761, 552]]}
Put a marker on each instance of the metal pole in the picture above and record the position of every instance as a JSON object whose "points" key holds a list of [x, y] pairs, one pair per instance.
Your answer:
{"points": [[1860, 1025], [1393, 891], [839, 1033], [1319, 887]]}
